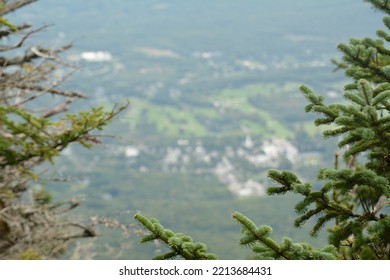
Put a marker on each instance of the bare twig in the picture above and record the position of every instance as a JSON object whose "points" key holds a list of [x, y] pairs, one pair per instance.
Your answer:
{"points": [[11, 6], [57, 109], [7, 32], [20, 43], [53, 90], [86, 232], [34, 53]]}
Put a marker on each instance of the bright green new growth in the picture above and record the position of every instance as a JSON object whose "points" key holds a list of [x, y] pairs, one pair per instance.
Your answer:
{"points": [[354, 200], [258, 238], [41, 139], [179, 243]]}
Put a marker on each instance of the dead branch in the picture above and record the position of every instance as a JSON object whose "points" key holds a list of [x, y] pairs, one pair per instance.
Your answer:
{"points": [[11, 6], [49, 53], [34, 53], [53, 90], [63, 107], [86, 232], [5, 62], [69, 206], [20, 43], [7, 32]]}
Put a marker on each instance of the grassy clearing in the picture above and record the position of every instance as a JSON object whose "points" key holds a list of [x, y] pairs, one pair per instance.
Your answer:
{"points": [[231, 111]]}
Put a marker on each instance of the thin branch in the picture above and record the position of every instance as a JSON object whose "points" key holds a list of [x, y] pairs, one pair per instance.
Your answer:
{"points": [[49, 53], [53, 90], [70, 205], [34, 53], [20, 43], [87, 232], [5, 33], [5, 62], [57, 109], [10, 7]]}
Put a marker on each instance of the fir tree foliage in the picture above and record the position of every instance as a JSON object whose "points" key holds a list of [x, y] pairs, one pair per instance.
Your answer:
{"points": [[180, 245], [354, 200], [258, 238]]}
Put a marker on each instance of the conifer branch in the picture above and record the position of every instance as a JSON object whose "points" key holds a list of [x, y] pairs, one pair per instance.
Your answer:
{"points": [[382, 5], [180, 244], [266, 248]]}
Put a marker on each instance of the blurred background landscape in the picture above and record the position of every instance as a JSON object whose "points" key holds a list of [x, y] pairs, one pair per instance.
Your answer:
{"points": [[215, 103]]}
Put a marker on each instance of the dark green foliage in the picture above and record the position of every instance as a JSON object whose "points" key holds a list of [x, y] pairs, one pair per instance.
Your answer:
{"points": [[355, 198]]}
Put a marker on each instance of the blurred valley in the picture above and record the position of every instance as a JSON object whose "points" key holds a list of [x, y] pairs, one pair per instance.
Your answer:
{"points": [[215, 103]]}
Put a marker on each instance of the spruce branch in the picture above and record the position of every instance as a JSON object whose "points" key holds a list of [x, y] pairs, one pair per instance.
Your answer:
{"points": [[382, 5], [286, 179], [354, 198], [180, 244], [258, 238]]}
